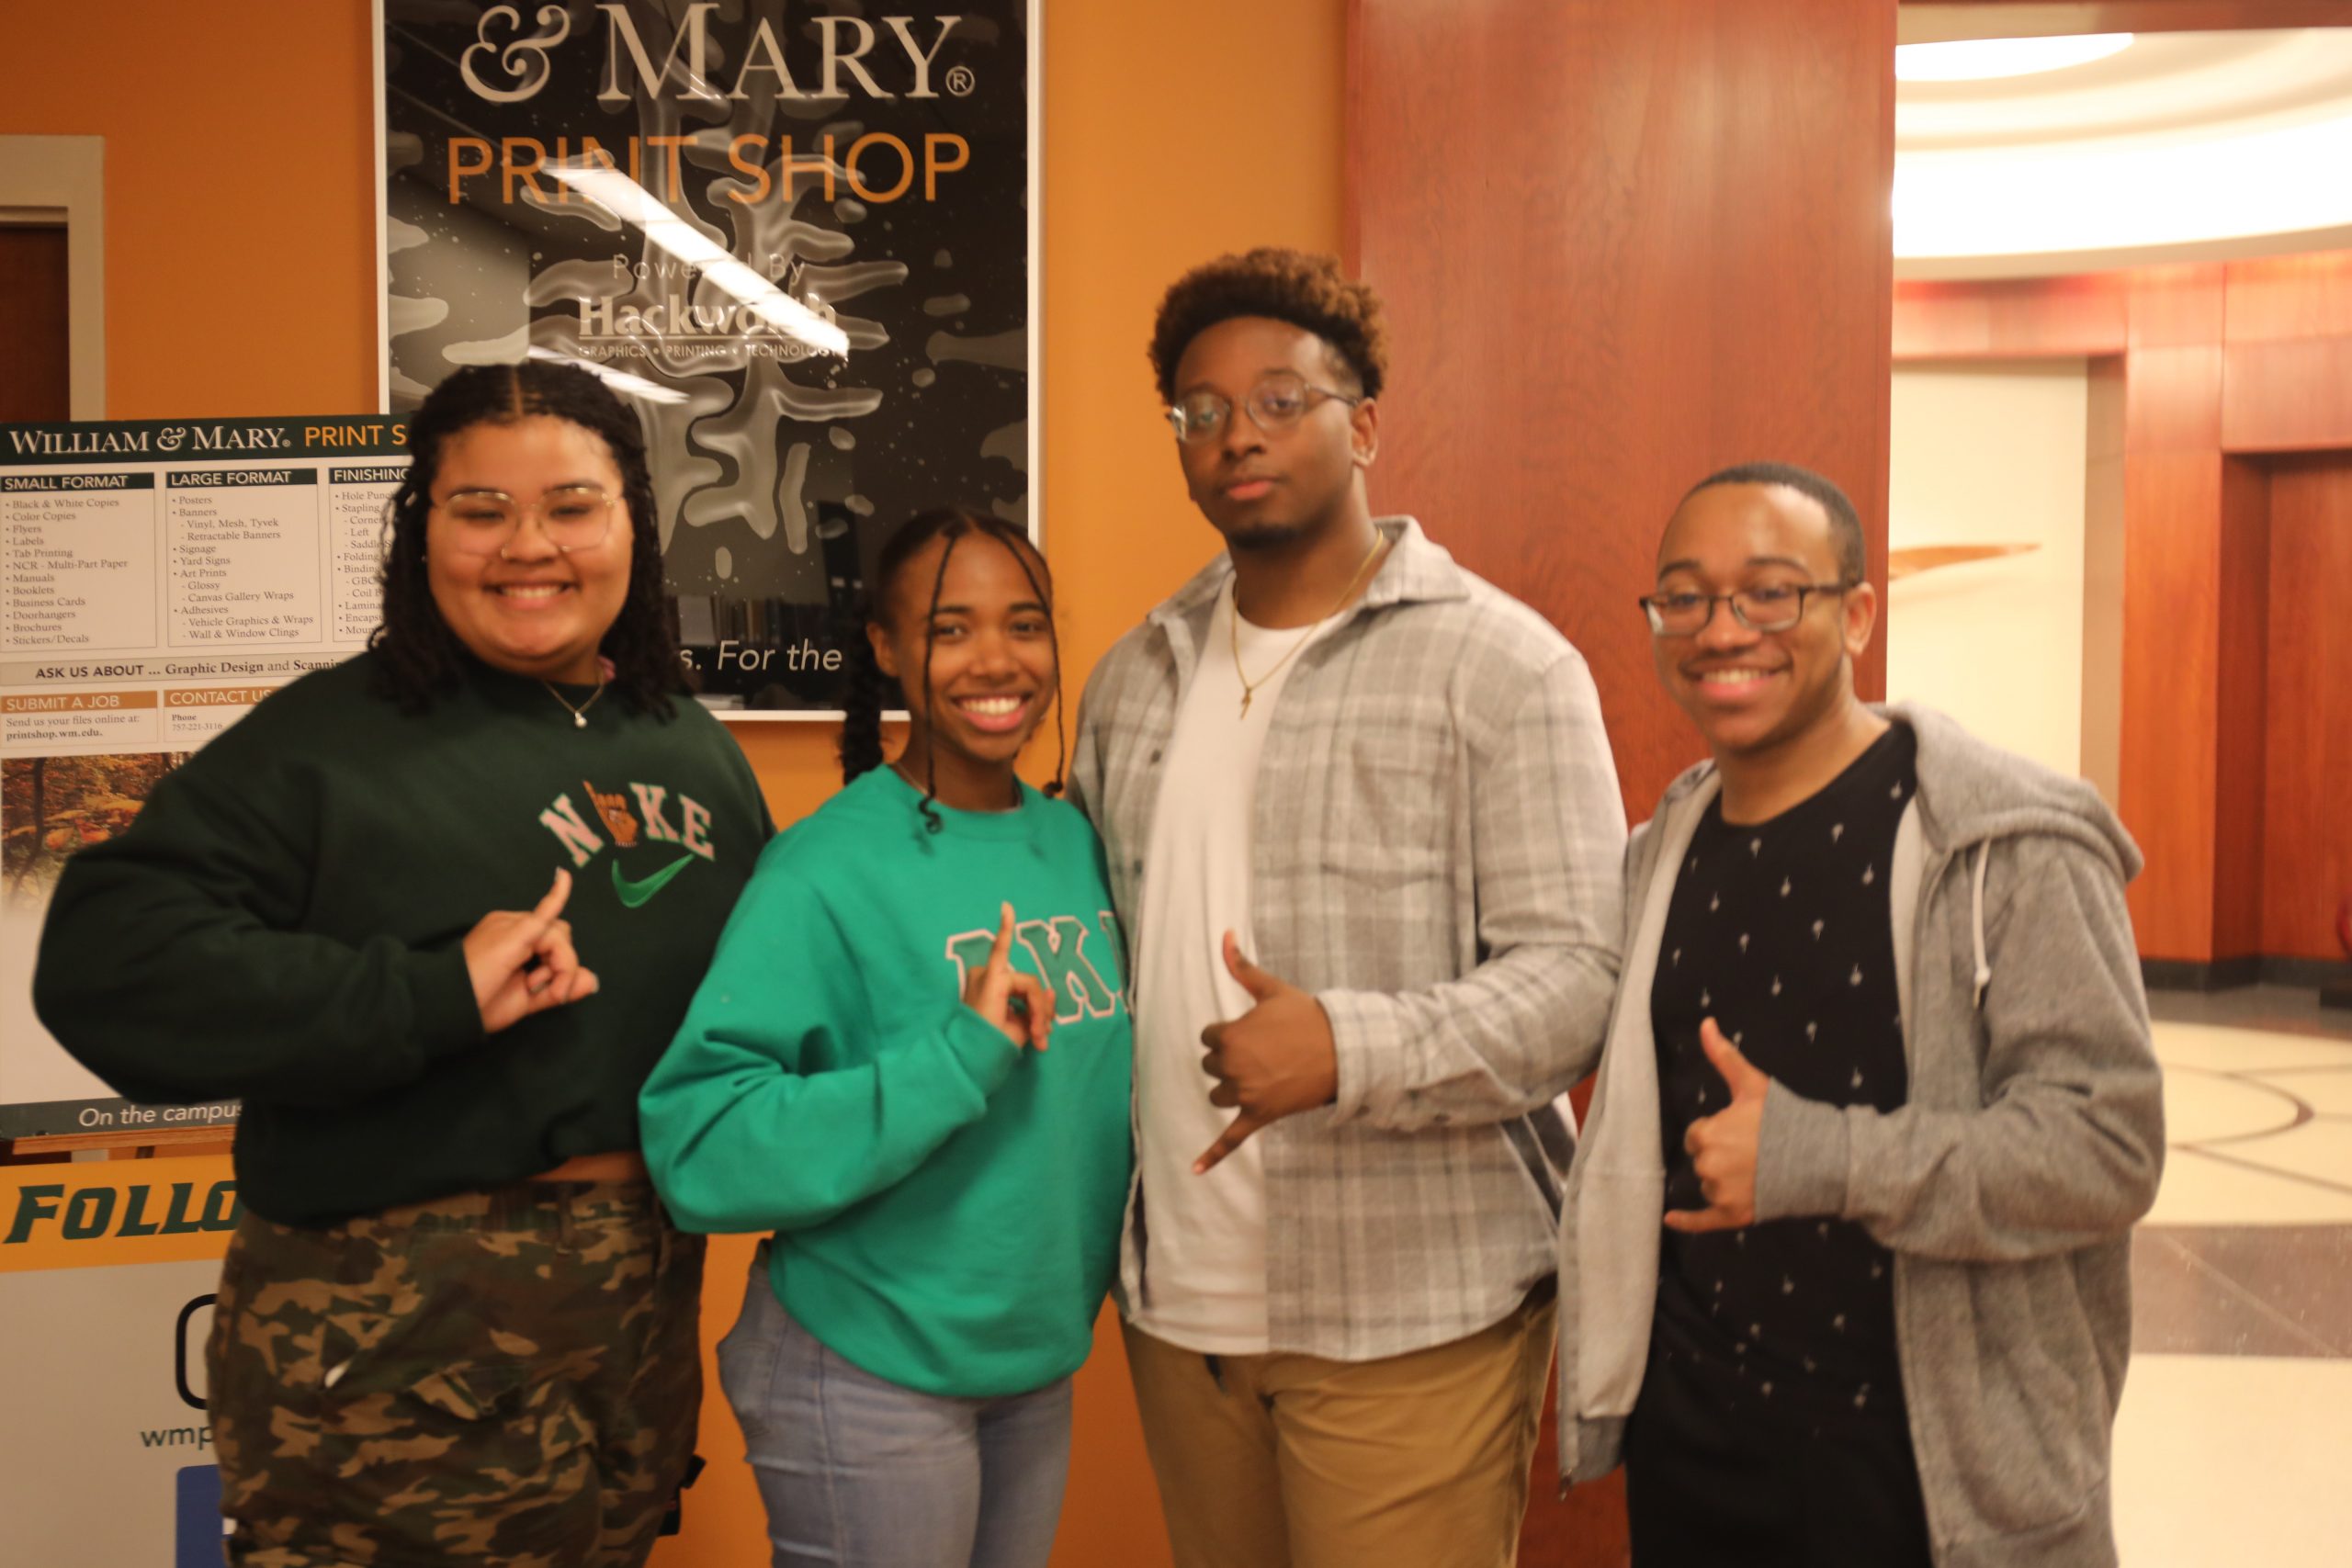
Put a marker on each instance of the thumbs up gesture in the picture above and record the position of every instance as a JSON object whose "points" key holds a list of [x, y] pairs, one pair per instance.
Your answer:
{"points": [[1273, 1061], [1722, 1147]]}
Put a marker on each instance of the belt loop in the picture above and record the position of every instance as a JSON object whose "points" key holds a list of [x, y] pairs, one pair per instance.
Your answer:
{"points": [[1217, 1373]]}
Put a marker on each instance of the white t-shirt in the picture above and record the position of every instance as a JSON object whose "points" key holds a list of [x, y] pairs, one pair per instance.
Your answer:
{"points": [[1205, 1235]]}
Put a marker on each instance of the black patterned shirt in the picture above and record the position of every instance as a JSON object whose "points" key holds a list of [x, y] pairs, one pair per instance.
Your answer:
{"points": [[1780, 931]]}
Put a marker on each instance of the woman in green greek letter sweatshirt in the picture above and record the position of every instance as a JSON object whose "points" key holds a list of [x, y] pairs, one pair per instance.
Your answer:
{"points": [[911, 1061]]}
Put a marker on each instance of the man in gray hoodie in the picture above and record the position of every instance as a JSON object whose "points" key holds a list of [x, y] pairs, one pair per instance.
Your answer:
{"points": [[1845, 1266]]}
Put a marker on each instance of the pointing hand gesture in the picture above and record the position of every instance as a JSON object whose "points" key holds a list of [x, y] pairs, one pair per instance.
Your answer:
{"points": [[1722, 1147], [1020, 1006], [521, 962], [1273, 1061]]}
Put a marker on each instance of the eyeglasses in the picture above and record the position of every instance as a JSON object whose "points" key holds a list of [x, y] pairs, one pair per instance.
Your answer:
{"points": [[1276, 403], [1773, 607], [574, 517]]}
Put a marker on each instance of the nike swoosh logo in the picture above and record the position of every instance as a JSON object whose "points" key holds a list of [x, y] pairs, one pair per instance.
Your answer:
{"points": [[632, 893]]}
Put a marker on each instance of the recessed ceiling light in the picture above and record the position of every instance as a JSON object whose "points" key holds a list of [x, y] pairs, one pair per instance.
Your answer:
{"points": [[1983, 59]]}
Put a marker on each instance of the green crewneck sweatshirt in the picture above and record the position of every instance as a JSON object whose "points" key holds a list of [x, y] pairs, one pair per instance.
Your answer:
{"points": [[283, 923], [946, 1205]]}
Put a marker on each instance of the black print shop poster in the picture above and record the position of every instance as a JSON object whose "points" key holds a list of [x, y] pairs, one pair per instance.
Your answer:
{"points": [[797, 236]]}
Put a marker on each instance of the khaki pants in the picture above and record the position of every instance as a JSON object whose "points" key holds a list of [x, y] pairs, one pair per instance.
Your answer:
{"points": [[1295, 1462]]}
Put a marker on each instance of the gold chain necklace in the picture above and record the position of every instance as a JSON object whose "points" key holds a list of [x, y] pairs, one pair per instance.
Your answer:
{"points": [[1250, 687], [579, 714]]}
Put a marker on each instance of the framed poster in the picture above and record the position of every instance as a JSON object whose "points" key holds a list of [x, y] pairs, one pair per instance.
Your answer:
{"points": [[800, 240]]}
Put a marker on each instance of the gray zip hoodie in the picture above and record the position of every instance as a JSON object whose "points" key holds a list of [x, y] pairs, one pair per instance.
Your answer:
{"points": [[2005, 1188]]}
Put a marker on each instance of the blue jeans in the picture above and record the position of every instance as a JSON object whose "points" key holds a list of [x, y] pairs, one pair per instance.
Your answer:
{"points": [[858, 1472]]}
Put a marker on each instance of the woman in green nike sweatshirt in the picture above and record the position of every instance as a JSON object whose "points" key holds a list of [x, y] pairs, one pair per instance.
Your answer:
{"points": [[866, 1072], [453, 1323]]}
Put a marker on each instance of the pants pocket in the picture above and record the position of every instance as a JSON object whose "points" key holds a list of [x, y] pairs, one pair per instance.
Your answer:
{"points": [[747, 1354]]}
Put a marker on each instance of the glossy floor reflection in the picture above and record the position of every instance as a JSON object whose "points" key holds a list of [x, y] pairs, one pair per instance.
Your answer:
{"points": [[2236, 1430]]}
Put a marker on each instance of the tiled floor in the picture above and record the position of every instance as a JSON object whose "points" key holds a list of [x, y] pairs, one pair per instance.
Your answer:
{"points": [[2234, 1444]]}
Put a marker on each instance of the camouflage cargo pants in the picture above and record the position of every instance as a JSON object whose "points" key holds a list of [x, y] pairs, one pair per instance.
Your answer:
{"points": [[505, 1378]]}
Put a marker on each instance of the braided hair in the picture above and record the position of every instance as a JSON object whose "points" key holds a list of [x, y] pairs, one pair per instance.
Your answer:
{"points": [[870, 691], [417, 656]]}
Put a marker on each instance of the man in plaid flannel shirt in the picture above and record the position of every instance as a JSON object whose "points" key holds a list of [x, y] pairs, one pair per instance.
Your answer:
{"points": [[1365, 838]]}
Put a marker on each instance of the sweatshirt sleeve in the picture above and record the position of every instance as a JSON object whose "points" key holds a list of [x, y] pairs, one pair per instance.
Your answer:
{"points": [[1548, 830], [170, 965], [2068, 1144], [745, 1125]]}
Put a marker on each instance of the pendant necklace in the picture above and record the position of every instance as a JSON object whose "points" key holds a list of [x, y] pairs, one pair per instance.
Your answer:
{"points": [[579, 713], [1250, 687]]}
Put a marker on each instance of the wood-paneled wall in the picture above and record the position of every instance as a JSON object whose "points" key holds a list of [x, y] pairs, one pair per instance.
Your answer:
{"points": [[1622, 246], [2172, 612], [2287, 354], [2307, 805], [2231, 660], [2241, 680]]}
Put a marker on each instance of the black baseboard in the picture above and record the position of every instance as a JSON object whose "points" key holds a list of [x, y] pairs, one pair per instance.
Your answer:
{"points": [[2307, 973], [2328, 976], [2182, 975]]}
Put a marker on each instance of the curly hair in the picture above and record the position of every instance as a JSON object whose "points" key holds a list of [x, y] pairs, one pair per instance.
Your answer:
{"points": [[418, 658], [870, 690], [1307, 291]]}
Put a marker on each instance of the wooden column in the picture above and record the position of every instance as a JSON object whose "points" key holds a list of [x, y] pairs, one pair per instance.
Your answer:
{"points": [[2172, 603], [1622, 246]]}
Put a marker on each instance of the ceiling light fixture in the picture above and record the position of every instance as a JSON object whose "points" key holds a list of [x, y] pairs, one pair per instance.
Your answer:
{"points": [[1985, 59]]}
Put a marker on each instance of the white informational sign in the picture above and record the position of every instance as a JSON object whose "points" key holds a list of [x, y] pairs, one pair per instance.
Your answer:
{"points": [[157, 578]]}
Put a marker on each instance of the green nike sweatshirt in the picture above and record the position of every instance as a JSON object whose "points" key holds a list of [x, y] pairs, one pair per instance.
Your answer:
{"points": [[283, 923], [946, 1205]]}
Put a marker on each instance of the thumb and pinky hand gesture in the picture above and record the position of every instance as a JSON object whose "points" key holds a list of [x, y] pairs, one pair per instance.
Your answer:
{"points": [[1275, 1060]]}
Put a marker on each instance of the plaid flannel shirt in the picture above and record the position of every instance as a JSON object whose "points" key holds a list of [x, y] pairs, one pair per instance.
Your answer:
{"points": [[1437, 852]]}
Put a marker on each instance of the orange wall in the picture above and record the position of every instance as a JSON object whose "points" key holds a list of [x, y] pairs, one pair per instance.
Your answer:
{"points": [[241, 279]]}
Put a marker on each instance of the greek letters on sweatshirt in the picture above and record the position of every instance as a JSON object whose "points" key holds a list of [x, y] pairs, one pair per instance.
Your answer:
{"points": [[283, 923], [946, 1205]]}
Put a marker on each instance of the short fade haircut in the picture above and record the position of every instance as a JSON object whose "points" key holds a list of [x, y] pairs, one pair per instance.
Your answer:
{"points": [[1309, 291], [1845, 523]]}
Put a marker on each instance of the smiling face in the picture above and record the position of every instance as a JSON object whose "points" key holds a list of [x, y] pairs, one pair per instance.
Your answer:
{"points": [[991, 660], [526, 606], [1265, 488], [1748, 692]]}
